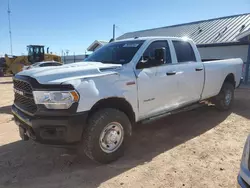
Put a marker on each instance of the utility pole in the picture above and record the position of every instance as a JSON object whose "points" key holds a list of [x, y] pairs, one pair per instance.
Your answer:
{"points": [[113, 31], [9, 27]]}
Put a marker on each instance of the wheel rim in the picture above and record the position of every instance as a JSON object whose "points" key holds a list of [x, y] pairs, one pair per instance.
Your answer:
{"points": [[111, 137], [228, 97]]}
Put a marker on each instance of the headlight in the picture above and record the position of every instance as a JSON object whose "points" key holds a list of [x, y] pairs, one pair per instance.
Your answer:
{"points": [[245, 154], [56, 99]]}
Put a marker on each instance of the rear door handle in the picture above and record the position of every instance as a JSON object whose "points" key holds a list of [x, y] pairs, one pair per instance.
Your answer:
{"points": [[171, 73], [198, 69]]}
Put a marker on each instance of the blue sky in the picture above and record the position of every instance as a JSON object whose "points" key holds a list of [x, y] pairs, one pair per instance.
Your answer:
{"points": [[75, 24]]}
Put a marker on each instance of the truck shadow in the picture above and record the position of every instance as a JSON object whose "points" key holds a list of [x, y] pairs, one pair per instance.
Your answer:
{"points": [[242, 102], [5, 109], [23, 161], [28, 164], [7, 82]]}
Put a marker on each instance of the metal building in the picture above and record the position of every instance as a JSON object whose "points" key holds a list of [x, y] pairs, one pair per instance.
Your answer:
{"points": [[219, 38]]}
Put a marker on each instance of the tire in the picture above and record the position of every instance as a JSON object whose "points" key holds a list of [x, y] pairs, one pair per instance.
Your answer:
{"points": [[98, 147], [224, 100]]}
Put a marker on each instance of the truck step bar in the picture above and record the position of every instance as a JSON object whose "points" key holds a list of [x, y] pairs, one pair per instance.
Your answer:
{"points": [[168, 113]]}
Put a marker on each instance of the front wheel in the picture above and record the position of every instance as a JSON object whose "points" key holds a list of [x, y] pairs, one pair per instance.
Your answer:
{"points": [[106, 135], [224, 100]]}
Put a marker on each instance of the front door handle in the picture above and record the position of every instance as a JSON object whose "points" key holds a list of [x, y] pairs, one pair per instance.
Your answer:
{"points": [[198, 69], [171, 73]]}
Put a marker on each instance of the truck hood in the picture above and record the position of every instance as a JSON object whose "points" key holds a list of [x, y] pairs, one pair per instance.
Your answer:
{"points": [[60, 74]]}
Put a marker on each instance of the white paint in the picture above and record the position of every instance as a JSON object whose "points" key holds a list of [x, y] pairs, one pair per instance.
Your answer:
{"points": [[92, 90], [216, 72], [190, 82], [59, 74], [154, 92]]}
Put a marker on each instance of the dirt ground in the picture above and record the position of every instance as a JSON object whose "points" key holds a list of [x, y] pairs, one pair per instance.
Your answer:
{"points": [[200, 148]]}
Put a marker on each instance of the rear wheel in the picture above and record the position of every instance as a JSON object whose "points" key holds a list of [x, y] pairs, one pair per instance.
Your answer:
{"points": [[224, 100], [106, 136]]}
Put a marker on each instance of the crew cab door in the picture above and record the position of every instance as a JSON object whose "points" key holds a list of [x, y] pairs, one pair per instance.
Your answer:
{"points": [[190, 72], [156, 81]]}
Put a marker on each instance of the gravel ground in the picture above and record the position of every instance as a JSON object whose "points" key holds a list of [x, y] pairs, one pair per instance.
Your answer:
{"points": [[199, 148]]}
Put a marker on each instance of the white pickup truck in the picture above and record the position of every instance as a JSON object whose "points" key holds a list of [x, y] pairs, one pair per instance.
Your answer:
{"points": [[97, 101]]}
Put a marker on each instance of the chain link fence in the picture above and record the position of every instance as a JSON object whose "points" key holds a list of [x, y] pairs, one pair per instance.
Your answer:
{"points": [[73, 58]]}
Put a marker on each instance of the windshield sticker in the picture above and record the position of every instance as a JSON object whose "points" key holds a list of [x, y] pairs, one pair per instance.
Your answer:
{"points": [[133, 45]]}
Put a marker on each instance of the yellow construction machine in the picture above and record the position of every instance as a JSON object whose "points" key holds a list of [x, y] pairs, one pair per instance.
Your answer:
{"points": [[35, 54]]}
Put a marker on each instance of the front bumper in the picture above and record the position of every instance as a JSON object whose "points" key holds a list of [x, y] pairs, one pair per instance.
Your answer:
{"points": [[55, 130], [244, 177], [242, 183]]}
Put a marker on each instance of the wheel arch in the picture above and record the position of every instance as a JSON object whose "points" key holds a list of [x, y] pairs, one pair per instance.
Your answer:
{"points": [[230, 78], [117, 103]]}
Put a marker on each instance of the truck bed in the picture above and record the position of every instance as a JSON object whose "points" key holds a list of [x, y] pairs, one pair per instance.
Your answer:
{"points": [[216, 72]]}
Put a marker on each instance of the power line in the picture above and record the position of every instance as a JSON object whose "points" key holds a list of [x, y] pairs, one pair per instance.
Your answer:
{"points": [[9, 27]]}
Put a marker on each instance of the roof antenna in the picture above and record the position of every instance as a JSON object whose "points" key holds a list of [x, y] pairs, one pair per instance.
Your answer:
{"points": [[242, 28], [225, 28], [199, 29]]}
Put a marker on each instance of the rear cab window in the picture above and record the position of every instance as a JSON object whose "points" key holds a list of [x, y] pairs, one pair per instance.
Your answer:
{"points": [[184, 51]]}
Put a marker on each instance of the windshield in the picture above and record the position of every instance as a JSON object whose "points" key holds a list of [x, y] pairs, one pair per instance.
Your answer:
{"points": [[117, 52]]}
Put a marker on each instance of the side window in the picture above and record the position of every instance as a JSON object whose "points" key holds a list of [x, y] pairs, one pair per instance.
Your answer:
{"points": [[149, 55], [42, 50], [42, 65], [184, 51], [45, 64]]}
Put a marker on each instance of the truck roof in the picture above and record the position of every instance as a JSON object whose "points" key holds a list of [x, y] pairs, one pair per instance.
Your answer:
{"points": [[157, 37]]}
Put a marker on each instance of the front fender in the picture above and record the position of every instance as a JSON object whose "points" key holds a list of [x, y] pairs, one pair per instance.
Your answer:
{"points": [[93, 90]]}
